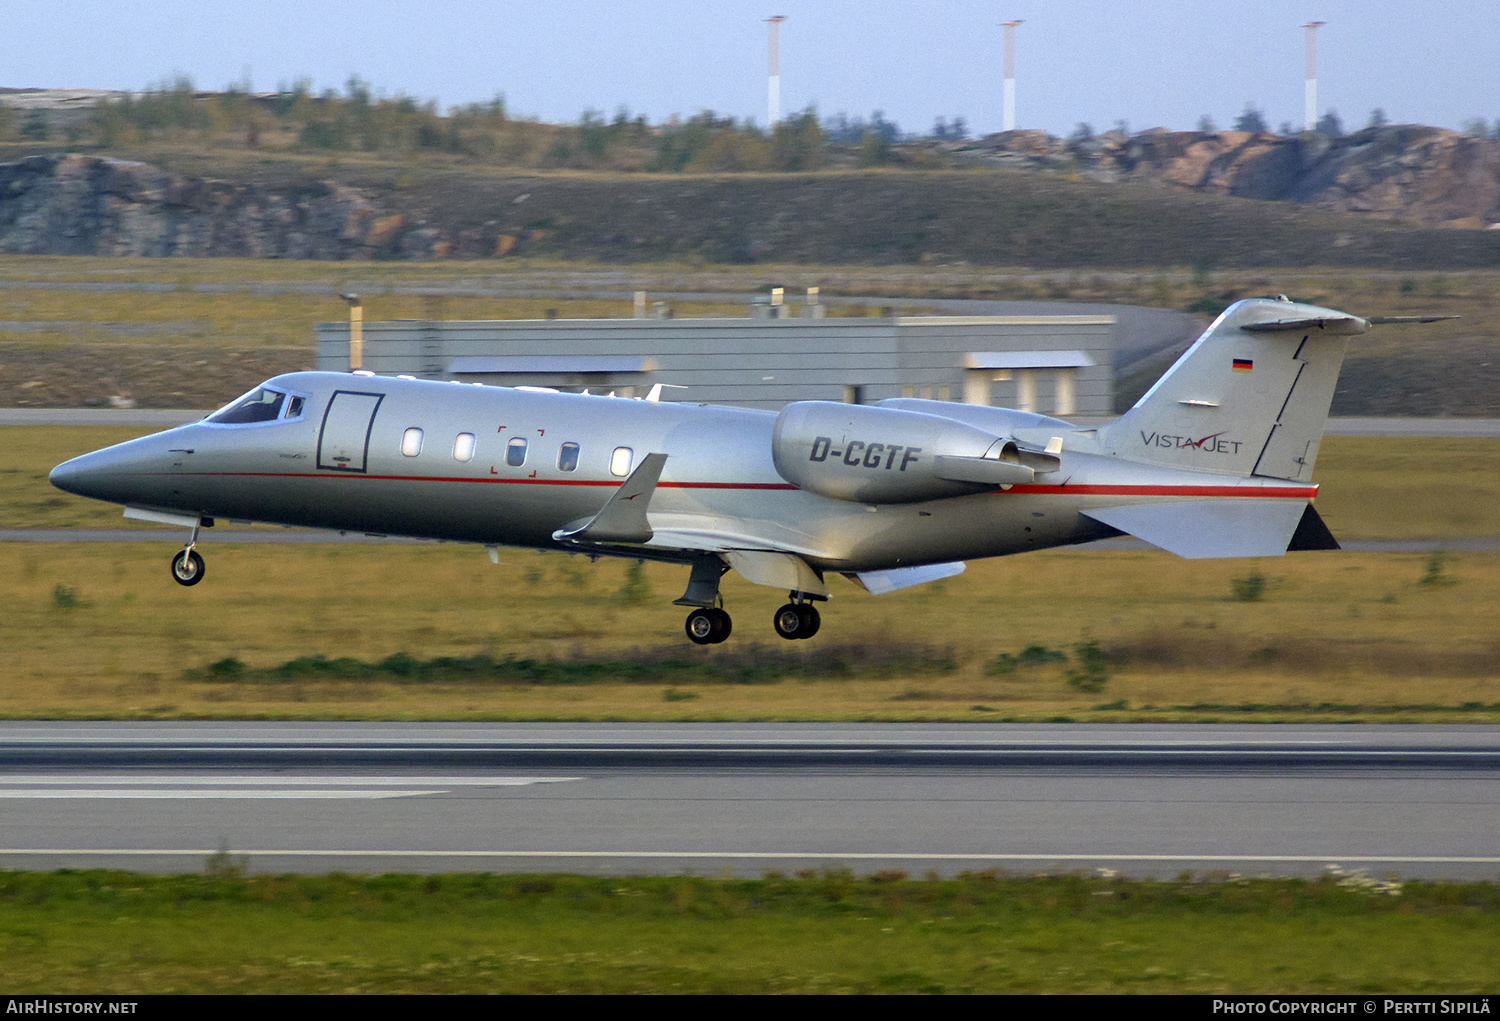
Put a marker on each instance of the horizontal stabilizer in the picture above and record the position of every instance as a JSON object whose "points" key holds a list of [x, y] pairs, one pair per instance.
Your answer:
{"points": [[878, 583], [1338, 325], [1410, 319], [1198, 529], [623, 516]]}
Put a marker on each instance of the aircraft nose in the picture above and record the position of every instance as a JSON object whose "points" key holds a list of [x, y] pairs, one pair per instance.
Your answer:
{"points": [[82, 476]]}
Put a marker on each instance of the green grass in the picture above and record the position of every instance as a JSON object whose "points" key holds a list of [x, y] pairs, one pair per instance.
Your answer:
{"points": [[119, 933]]}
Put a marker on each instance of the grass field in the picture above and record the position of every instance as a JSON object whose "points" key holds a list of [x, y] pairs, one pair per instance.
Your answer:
{"points": [[109, 932], [1309, 636], [1343, 636]]}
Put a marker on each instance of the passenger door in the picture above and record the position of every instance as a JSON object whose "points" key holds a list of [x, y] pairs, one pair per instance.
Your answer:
{"points": [[344, 442]]}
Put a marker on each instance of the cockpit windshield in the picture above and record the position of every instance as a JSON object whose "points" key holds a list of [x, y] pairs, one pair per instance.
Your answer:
{"points": [[259, 405]]}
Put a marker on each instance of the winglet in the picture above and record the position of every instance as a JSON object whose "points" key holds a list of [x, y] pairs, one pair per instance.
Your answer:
{"points": [[623, 516]]}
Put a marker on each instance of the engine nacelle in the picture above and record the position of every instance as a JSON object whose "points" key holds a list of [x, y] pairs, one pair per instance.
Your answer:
{"points": [[879, 455]]}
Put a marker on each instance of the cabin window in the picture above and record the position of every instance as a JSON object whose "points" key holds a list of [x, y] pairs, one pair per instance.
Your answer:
{"points": [[619, 462], [294, 407], [515, 452], [567, 457], [411, 442], [463, 447], [259, 405]]}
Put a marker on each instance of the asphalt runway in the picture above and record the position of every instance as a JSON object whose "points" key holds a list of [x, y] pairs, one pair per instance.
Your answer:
{"points": [[744, 799]]}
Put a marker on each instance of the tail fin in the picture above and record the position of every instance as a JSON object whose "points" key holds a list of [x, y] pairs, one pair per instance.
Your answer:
{"points": [[1250, 397]]}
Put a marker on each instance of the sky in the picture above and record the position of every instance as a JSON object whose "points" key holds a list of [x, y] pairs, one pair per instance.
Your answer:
{"points": [[1146, 62]]}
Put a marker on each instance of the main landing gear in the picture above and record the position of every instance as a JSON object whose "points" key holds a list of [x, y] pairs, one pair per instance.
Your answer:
{"points": [[797, 620], [709, 625], [187, 565]]}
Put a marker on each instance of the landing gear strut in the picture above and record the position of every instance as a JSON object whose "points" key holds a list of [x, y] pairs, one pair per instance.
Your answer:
{"points": [[709, 625], [187, 565]]}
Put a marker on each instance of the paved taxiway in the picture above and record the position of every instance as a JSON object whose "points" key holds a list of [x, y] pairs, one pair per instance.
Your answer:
{"points": [[746, 798]]}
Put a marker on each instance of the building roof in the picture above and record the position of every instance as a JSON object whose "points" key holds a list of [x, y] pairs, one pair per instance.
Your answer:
{"points": [[572, 365], [1027, 360]]}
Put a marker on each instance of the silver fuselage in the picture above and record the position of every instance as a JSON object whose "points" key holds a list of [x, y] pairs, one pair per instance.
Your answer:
{"points": [[347, 471]]}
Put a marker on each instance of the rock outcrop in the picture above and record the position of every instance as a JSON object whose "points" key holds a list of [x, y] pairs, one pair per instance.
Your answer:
{"points": [[1398, 172], [94, 205]]}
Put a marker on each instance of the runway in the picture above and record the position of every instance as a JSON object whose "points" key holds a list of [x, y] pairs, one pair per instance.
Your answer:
{"points": [[744, 799]]}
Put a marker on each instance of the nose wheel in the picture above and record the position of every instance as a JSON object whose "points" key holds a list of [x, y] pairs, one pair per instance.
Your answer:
{"points": [[797, 620], [709, 625], [187, 567]]}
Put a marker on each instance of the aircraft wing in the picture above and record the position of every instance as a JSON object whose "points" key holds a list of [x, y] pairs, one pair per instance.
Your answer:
{"points": [[1223, 527]]}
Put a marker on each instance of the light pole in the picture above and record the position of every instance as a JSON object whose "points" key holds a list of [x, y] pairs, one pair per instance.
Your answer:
{"points": [[1009, 121], [1310, 75], [773, 83], [356, 331]]}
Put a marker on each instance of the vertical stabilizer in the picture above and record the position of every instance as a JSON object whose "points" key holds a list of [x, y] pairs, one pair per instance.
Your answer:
{"points": [[1250, 397]]}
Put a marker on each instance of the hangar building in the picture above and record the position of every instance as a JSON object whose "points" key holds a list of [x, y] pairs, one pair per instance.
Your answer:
{"points": [[1050, 364]]}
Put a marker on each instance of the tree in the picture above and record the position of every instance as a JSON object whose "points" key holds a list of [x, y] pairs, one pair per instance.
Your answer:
{"points": [[874, 151], [37, 128], [1477, 126], [1207, 126], [797, 141], [1330, 125], [1251, 120], [1378, 119], [1083, 133]]}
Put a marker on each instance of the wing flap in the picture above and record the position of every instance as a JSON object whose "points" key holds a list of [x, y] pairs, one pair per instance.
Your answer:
{"points": [[878, 583], [1200, 529]]}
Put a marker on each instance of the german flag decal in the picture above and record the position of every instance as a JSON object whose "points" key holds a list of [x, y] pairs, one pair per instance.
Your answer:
{"points": [[1243, 365]]}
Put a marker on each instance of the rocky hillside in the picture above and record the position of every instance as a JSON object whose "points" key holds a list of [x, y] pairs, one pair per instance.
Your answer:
{"points": [[97, 205], [92, 205], [1400, 172]]}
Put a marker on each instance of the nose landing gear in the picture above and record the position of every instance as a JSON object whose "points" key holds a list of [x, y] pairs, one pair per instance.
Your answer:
{"points": [[187, 565]]}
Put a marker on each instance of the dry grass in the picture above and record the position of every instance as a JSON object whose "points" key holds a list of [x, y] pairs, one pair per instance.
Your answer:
{"points": [[107, 634]]}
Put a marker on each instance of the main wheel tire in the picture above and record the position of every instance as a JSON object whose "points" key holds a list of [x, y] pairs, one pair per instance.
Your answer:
{"points": [[722, 624], [187, 567], [703, 627], [789, 622], [811, 620]]}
